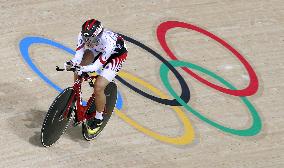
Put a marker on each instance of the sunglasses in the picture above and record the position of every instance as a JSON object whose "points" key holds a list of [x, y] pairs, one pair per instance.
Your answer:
{"points": [[89, 38]]}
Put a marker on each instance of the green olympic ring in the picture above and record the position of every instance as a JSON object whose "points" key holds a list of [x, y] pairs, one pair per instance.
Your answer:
{"points": [[256, 124]]}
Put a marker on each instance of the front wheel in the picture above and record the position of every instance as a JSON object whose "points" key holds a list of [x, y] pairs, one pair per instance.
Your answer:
{"points": [[57, 118]]}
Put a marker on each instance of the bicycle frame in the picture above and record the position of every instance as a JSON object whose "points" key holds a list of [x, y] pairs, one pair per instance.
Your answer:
{"points": [[80, 112]]}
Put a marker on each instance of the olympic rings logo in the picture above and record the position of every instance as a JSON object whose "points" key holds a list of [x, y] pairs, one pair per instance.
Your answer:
{"points": [[162, 98]]}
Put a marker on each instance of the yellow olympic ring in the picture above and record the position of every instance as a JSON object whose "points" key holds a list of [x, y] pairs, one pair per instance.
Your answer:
{"points": [[188, 135]]}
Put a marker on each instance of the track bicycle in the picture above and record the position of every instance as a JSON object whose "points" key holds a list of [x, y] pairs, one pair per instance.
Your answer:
{"points": [[69, 105]]}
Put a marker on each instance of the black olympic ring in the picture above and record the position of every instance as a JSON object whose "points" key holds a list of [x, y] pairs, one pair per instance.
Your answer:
{"points": [[185, 93]]}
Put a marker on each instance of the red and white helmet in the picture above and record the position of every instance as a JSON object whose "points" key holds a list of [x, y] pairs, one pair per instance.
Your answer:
{"points": [[91, 30]]}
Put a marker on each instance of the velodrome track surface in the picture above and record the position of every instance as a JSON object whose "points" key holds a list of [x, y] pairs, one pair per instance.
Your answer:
{"points": [[255, 28]]}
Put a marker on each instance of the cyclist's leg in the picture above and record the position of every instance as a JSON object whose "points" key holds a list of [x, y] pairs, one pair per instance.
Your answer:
{"points": [[99, 87], [108, 74]]}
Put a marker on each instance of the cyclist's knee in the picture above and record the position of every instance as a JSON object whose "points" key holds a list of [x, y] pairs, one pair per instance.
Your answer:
{"points": [[99, 87]]}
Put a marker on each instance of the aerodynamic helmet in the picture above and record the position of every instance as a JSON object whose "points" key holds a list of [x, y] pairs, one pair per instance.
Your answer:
{"points": [[91, 29]]}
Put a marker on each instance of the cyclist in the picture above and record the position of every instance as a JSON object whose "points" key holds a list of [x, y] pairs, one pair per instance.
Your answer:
{"points": [[98, 48]]}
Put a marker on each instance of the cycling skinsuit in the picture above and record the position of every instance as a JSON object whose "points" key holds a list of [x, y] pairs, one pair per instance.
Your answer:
{"points": [[110, 53]]}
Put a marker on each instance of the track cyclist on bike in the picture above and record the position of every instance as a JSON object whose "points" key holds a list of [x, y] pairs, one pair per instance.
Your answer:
{"points": [[98, 48]]}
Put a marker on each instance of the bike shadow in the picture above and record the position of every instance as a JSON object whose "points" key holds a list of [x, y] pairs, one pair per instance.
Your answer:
{"points": [[28, 124], [32, 123], [35, 119], [74, 133]]}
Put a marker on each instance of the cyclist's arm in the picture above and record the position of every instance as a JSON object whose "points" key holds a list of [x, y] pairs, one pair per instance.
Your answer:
{"points": [[98, 64], [79, 51]]}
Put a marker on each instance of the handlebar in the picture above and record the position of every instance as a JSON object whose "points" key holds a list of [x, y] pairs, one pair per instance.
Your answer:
{"points": [[84, 75], [62, 69], [58, 69]]}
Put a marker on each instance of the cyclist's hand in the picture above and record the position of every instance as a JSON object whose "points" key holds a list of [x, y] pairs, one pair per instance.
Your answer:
{"points": [[79, 70], [68, 65]]}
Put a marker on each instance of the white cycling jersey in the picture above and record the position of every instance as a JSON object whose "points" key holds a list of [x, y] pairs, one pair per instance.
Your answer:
{"points": [[108, 43]]}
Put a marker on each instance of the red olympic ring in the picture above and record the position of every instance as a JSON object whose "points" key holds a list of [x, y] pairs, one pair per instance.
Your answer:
{"points": [[249, 90]]}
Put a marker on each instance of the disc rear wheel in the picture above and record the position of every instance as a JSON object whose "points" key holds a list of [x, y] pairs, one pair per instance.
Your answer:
{"points": [[111, 96]]}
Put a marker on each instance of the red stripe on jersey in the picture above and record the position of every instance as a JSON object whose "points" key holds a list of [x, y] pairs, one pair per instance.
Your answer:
{"points": [[101, 60], [116, 62], [80, 47], [123, 56]]}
